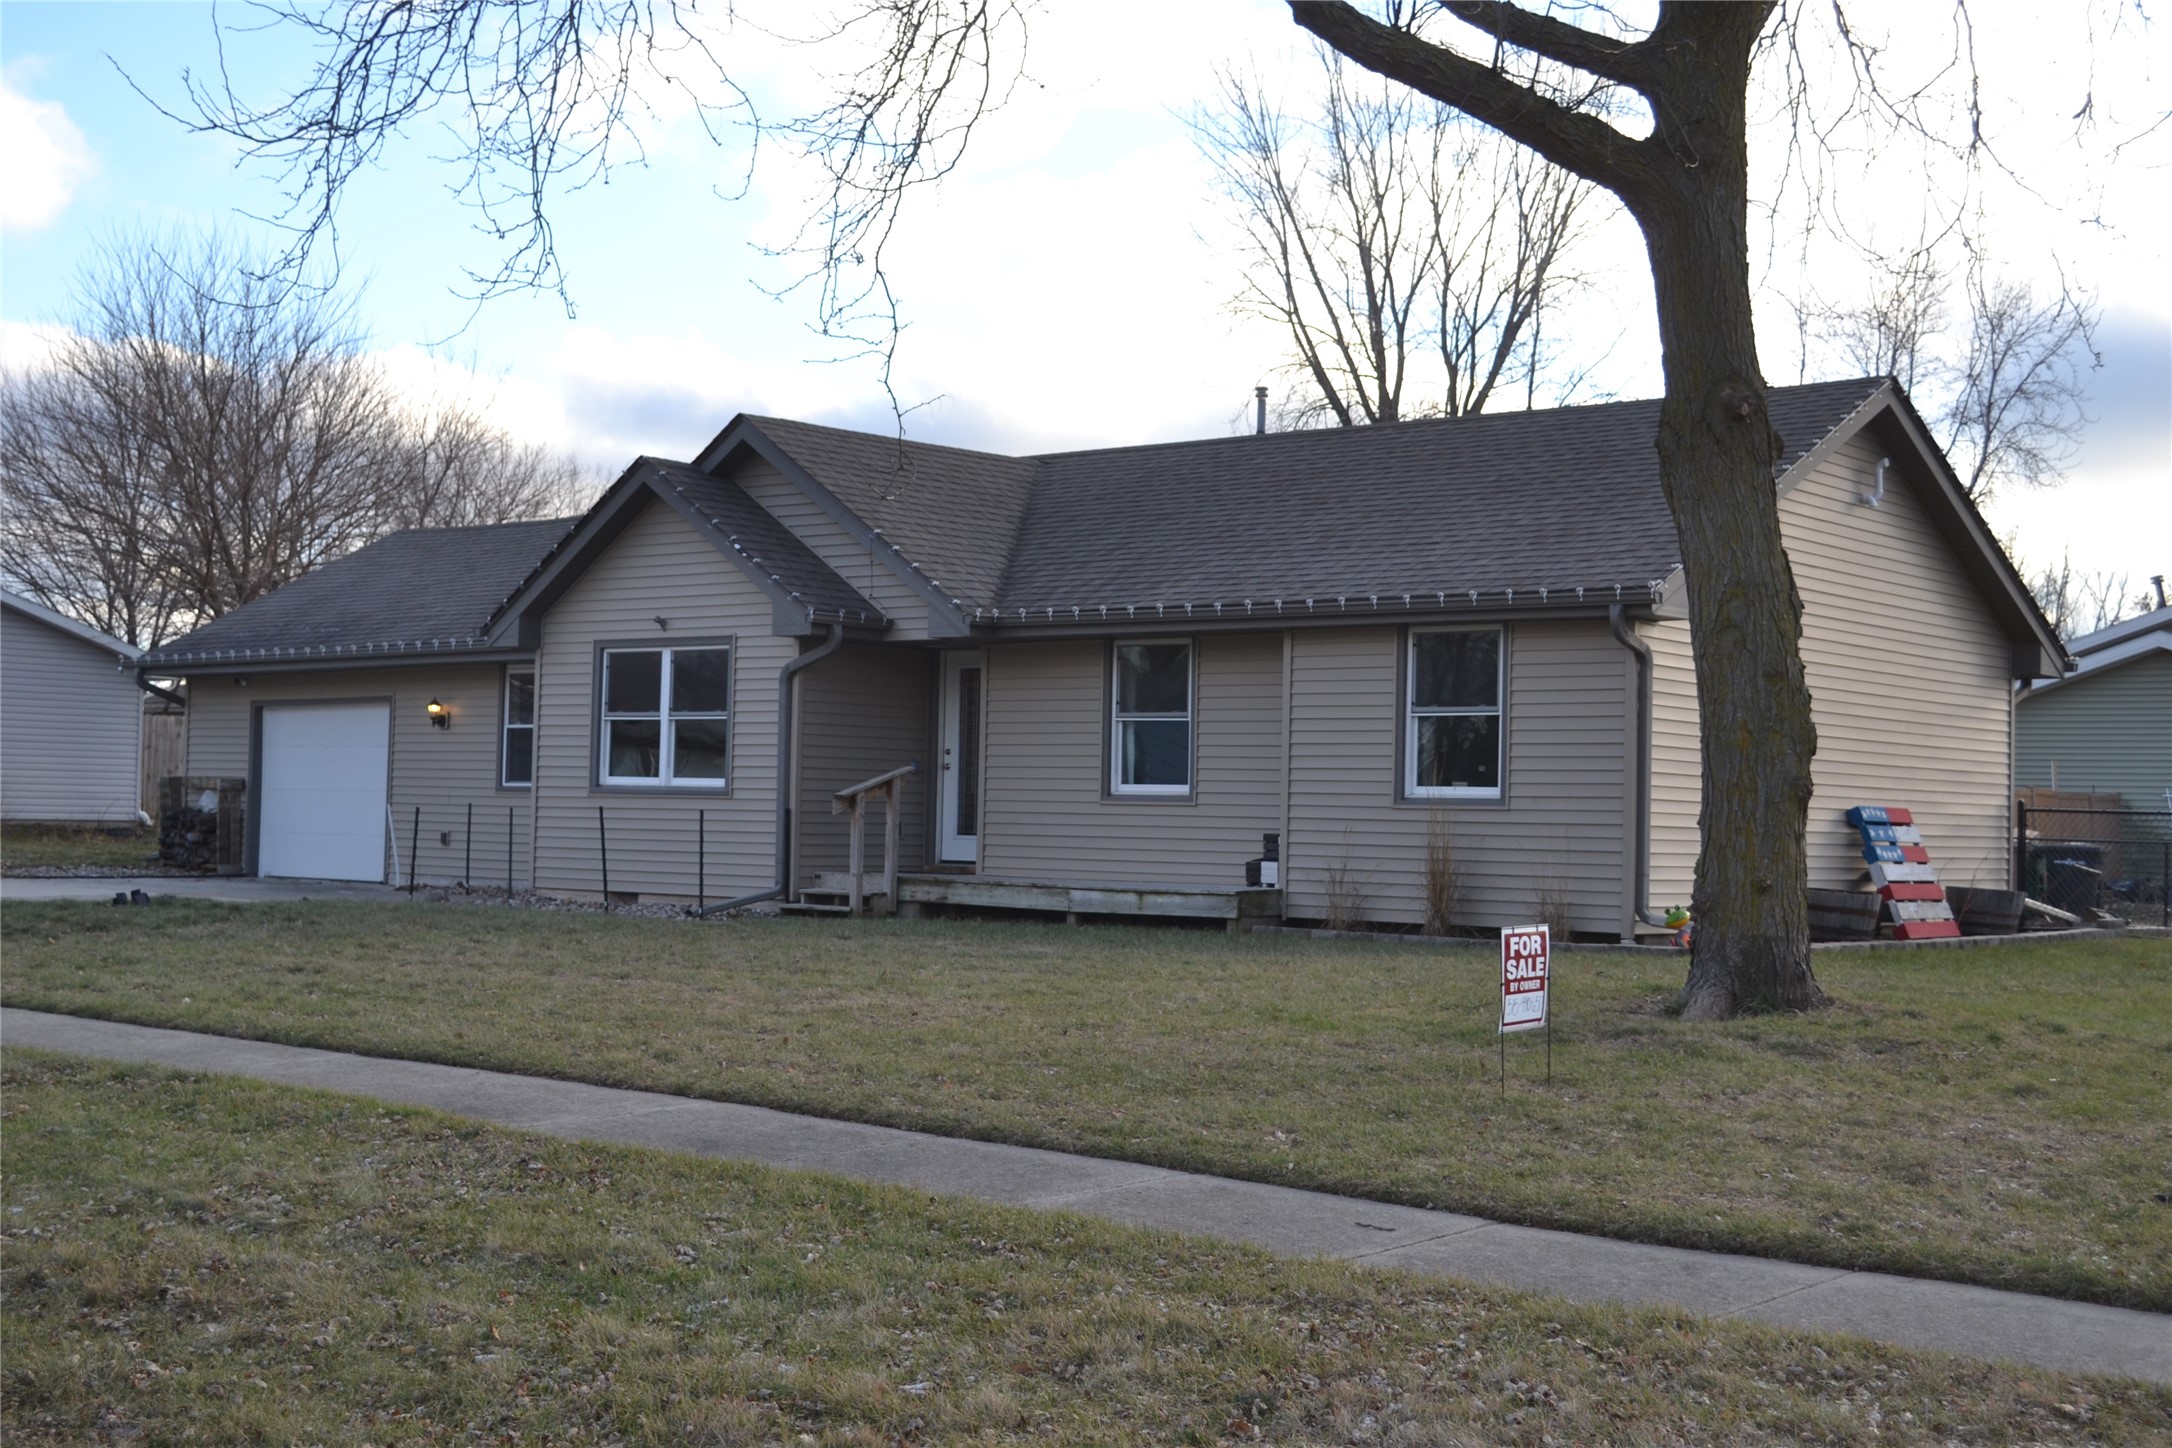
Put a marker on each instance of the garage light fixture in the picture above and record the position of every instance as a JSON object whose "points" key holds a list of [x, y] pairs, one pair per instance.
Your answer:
{"points": [[440, 716]]}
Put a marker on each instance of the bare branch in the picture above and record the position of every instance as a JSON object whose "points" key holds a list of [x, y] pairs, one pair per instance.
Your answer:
{"points": [[1572, 140]]}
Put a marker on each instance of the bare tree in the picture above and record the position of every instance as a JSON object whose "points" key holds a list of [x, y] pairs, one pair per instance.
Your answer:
{"points": [[1387, 232], [2082, 603], [544, 96], [1890, 331], [2016, 410], [203, 435], [1686, 183], [2007, 395], [455, 468]]}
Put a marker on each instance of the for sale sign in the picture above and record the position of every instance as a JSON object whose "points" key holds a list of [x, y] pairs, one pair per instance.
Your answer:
{"points": [[1526, 964]]}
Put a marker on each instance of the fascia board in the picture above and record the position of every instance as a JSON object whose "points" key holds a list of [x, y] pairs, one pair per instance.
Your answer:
{"points": [[206, 668], [1267, 621], [945, 618], [2097, 665]]}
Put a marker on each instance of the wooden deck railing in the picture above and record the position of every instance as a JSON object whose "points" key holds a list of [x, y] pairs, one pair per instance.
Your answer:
{"points": [[854, 800]]}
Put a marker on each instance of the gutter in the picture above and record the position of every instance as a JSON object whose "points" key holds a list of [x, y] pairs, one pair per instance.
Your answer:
{"points": [[1617, 620], [143, 682], [785, 676]]}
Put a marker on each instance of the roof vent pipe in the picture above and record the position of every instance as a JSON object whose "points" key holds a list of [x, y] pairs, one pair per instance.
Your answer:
{"points": [[1259, 399], [2158, 579]]}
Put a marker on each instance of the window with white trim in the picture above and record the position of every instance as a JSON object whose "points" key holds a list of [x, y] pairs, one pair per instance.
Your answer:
{"points": [[1452, 713], [516, 756], [1150, 725], [666, 717]]}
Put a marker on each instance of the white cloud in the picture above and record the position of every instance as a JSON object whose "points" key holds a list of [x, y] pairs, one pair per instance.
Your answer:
{"points": [[46, 160]]}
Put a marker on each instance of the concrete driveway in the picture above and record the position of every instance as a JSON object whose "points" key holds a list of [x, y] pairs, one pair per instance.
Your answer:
{"points": [[238, 888]]}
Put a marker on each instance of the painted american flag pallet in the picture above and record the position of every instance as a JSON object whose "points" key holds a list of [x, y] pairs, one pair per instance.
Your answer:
{"points": [[1900, 868]]}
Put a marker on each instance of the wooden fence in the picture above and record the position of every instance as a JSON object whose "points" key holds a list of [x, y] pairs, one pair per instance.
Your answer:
{"points": [[165, 752]]}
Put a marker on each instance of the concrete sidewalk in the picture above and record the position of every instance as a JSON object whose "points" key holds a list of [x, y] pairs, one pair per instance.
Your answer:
{"points": [[1975, 1321]]}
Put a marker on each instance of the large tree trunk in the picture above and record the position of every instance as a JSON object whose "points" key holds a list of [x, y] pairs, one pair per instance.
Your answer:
{"points": [[1718, 457]]}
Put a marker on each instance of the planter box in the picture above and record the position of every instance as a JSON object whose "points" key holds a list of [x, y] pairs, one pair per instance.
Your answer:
{"points": [[1843, 915], [1985, 912]]}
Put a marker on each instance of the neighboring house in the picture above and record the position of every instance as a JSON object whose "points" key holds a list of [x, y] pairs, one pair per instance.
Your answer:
{"points": [[71, 719], [2106, 728], [1124, 667]]}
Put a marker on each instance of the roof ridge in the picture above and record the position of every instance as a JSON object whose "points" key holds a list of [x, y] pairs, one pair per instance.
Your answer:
{"points": [[1473, 419]]}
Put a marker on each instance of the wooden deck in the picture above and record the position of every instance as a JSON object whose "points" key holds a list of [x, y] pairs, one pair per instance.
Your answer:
{"points": [[1240, 906]]}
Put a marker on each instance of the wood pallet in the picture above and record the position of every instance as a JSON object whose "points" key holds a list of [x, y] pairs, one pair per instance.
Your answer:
{"points": [[1900, 868]]}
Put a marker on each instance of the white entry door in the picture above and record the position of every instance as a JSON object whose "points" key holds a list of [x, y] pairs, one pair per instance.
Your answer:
{"points": [[321, 791], [964, 671]]}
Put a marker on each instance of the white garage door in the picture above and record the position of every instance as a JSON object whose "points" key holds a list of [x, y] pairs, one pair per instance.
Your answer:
{"points": [[323, 790]]}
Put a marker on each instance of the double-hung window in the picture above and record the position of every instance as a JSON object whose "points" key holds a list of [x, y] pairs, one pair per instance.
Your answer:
{"points": [[1452, 725], [516, 755], [1150, 725], [666, 717]]}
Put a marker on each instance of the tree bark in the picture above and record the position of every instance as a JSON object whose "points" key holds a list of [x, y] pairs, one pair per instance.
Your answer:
{"points": [[1718, 465], [1687, 185]]}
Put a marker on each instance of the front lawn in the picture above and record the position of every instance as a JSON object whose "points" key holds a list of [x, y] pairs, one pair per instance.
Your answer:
{"points": [[1999, 1116], [62, 847], [223, 1262]]}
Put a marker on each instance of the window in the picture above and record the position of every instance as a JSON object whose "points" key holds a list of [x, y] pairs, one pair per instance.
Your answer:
{"points": [[516, 757], [1452, 734], [666, 716], [1150, 740]]}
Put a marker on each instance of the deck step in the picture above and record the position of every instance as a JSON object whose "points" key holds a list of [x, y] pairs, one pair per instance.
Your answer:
{"points": [[810, 907]]}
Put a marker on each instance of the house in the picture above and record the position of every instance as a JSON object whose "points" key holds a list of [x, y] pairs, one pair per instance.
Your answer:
{"points": [[1120, 669], [2106, 728], [70, 719]]}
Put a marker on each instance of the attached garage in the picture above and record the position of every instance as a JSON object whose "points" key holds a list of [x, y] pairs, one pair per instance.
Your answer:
{"points": [[322, 776]]}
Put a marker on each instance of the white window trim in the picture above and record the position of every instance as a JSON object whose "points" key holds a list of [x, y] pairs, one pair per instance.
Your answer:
{"points": [[1412, 714], [667, 737], [1117, 719], [506, 726]]}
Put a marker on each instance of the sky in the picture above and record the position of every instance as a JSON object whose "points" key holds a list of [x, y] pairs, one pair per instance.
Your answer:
{"points": [[1069, 285]]}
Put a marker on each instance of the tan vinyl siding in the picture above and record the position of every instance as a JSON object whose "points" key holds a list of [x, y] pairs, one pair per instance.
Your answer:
{"points": [[70, 716], [1677, 763], [877, 583], [439, 771], [2107, 732], [1910, 680], [1909, 686], [1046, 810], [658, 566], [862, 712], [1563, 818]]}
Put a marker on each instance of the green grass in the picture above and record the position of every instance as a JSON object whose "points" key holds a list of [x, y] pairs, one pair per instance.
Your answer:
{"points": [[1997, 1116], [223, 1262], [73, 846]]}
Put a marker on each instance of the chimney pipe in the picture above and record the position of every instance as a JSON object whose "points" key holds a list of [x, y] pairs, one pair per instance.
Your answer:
{"points": [[2158, 579], [1259, 397]]}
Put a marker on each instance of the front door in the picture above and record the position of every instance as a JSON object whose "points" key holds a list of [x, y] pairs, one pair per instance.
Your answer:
{"points": [[959, 789]]}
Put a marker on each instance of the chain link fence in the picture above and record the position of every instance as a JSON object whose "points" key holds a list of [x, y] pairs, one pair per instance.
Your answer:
{"points": [[2083, 860]]}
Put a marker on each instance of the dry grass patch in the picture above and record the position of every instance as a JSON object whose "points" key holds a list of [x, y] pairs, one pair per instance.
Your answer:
{"points": [[34, 846], [1998, 1116], [212, 1260]]}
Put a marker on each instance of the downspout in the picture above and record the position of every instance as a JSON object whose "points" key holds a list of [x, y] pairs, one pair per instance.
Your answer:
{"points": [[143, 682], [784, 772], [1617, 619]]}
